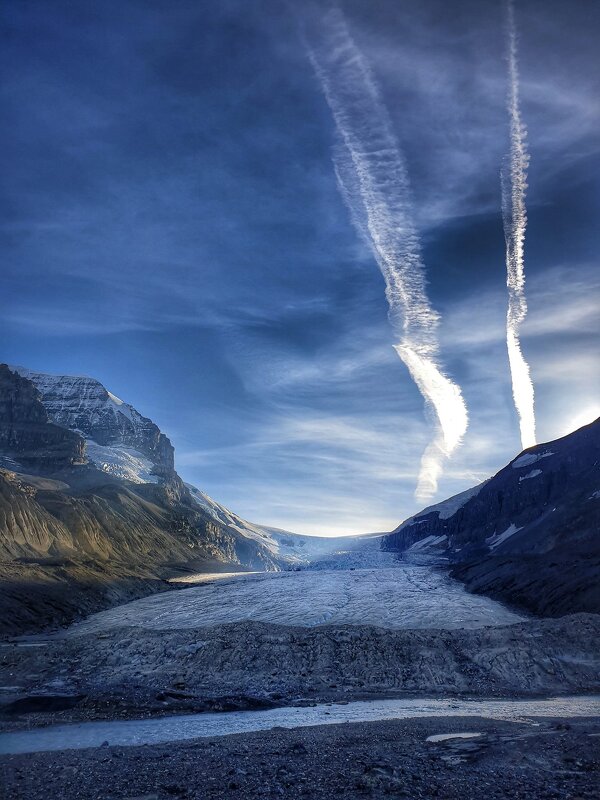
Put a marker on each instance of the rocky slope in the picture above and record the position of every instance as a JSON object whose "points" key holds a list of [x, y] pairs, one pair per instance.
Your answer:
{"points": [[530, 535], [78, 536], [81, 542]]}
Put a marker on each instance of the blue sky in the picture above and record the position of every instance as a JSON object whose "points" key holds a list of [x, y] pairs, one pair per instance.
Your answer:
{"points": [[172, 226]]}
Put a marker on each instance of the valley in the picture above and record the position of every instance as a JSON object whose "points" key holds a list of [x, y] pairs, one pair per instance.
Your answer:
{"points": [[144, 620]]}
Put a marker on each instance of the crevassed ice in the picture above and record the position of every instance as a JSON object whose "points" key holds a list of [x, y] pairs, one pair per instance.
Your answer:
{"points": [[405, 596]]}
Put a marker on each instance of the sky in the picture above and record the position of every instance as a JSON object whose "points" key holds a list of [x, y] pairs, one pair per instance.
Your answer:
{"points": [[171, 225]]}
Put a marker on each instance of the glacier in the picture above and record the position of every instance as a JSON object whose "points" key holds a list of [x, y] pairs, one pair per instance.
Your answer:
{"points": [[385, 593]]}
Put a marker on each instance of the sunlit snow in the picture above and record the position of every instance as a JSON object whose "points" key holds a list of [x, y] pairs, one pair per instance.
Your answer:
{"points": [[529, 458], [498, 538], [122, 462], [533, 474]]}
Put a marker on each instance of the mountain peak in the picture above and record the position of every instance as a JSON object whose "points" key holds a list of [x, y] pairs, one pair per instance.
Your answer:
{"points": [[85, 405]]}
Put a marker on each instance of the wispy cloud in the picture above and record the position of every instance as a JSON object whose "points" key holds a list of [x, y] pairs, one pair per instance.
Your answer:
{"points": [[333, 454], [373, 180], [171, 226], [514, 215]]}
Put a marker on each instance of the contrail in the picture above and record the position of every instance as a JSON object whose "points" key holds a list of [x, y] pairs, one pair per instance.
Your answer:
{"points": [[374, 183], [514, 215]]}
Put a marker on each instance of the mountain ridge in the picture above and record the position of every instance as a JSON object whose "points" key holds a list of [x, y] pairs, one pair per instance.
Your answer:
{"points": [[529, 535], [83, 404]]}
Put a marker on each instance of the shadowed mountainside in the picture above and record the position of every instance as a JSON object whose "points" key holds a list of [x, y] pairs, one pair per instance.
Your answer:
{"points": [[530, 535], [26, 432]]}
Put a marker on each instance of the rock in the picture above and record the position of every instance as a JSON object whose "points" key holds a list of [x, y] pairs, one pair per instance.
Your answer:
{"points": [[83, 404], [26, 432]]}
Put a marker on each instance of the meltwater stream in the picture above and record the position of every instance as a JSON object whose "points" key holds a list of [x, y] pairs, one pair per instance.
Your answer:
{"points": [[193, 726]]}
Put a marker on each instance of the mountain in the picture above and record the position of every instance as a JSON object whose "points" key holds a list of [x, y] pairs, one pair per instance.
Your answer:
{"points": [[293, 548], [27, 435], [119, 439], [530, 535], [94, 514], [121, 442]]}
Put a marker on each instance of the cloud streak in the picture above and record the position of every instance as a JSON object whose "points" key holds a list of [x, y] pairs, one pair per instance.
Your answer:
{"points": [[514, 215], [374, 183]]}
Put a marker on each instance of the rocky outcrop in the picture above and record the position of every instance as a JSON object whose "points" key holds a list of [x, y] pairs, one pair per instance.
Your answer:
{"points": [[26, 433], [85, 405], [530, 535]]}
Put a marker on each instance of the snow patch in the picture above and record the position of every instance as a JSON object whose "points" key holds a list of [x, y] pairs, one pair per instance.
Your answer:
{"points": [[533, 474], [429, 541], [114, 398], [122, 462], [444, 737], [498, 538], [529, 458]]}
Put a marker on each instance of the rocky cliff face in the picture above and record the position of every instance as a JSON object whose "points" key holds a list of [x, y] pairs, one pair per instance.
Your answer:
{"points": [[26, 434], [530, 535], [85, 405]]}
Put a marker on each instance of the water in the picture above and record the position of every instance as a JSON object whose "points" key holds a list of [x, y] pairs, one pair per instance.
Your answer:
{"points": [[179, 728]]}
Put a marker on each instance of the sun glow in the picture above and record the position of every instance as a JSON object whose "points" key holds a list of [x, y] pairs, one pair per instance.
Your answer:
{"points": [[584, 417]]}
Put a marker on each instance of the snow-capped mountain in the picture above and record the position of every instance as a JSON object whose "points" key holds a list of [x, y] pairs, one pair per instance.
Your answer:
{"points": [[119, 439], [523, 506], [92, 511], [89, 522], [121, 442], [292, 547], [531, 533]]}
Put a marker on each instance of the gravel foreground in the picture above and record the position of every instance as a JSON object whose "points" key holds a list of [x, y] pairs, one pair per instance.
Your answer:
{"points": [[553, 758]]}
